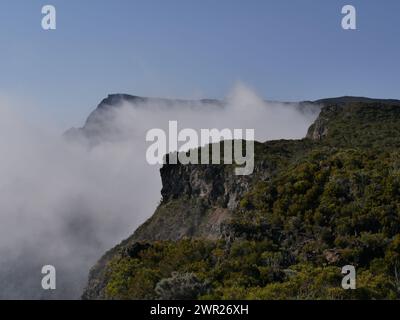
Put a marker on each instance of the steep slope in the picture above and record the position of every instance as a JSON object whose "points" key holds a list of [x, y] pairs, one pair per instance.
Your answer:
{"points": [[310, 207]]}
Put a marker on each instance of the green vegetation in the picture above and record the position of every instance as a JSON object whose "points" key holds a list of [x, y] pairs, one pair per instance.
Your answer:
{"points": [[329, 203]]}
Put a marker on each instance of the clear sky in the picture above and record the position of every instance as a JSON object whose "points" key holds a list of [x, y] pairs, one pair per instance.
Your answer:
{"points": [[284, 49]]}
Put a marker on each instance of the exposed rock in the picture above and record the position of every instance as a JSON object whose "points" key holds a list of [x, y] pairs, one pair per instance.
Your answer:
{"points": [[332, 255], [319, 129]]}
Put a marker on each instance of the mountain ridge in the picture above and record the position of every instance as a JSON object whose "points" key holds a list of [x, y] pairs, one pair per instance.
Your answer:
{"points": [[95, 122], [304, 207]]}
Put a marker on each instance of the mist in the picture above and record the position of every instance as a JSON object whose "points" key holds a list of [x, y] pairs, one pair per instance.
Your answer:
{"points": [[64, 202]]}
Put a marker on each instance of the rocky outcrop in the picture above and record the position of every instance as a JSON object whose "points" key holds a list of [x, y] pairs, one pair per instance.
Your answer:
{"points": [[198, 201], [319, 129], [345, 109]]}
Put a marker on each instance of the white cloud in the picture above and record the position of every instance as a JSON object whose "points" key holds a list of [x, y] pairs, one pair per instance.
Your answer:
{"points": [[64, 203]]}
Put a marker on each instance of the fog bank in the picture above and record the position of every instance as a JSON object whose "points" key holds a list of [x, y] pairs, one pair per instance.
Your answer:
{"points": [[65, 202]]}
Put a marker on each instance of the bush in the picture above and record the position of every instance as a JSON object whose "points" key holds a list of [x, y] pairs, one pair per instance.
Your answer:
{"points": [[181, 286]]}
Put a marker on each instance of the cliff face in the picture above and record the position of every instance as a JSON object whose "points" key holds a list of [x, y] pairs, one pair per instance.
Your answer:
{"points": [[307, 205], [198, 202], [319, 129], [351, 113]]}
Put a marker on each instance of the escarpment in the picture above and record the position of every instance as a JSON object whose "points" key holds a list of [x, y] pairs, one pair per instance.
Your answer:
{"points": [[310, 206], [198, 202]]}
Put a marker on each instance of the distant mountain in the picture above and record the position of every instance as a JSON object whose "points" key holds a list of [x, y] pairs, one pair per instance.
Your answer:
{"points": [[98, 125], [310, 207], [349, 99]]}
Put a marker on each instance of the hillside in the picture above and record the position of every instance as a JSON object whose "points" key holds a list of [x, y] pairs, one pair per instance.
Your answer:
{"points": [[310, 207]]}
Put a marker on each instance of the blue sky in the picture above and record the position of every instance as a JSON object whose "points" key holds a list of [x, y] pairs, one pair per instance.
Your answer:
{"points": [[285, 50]]}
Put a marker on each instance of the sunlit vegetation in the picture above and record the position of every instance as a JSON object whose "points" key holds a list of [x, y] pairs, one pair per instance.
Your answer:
{"points": [[332, 203]]}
